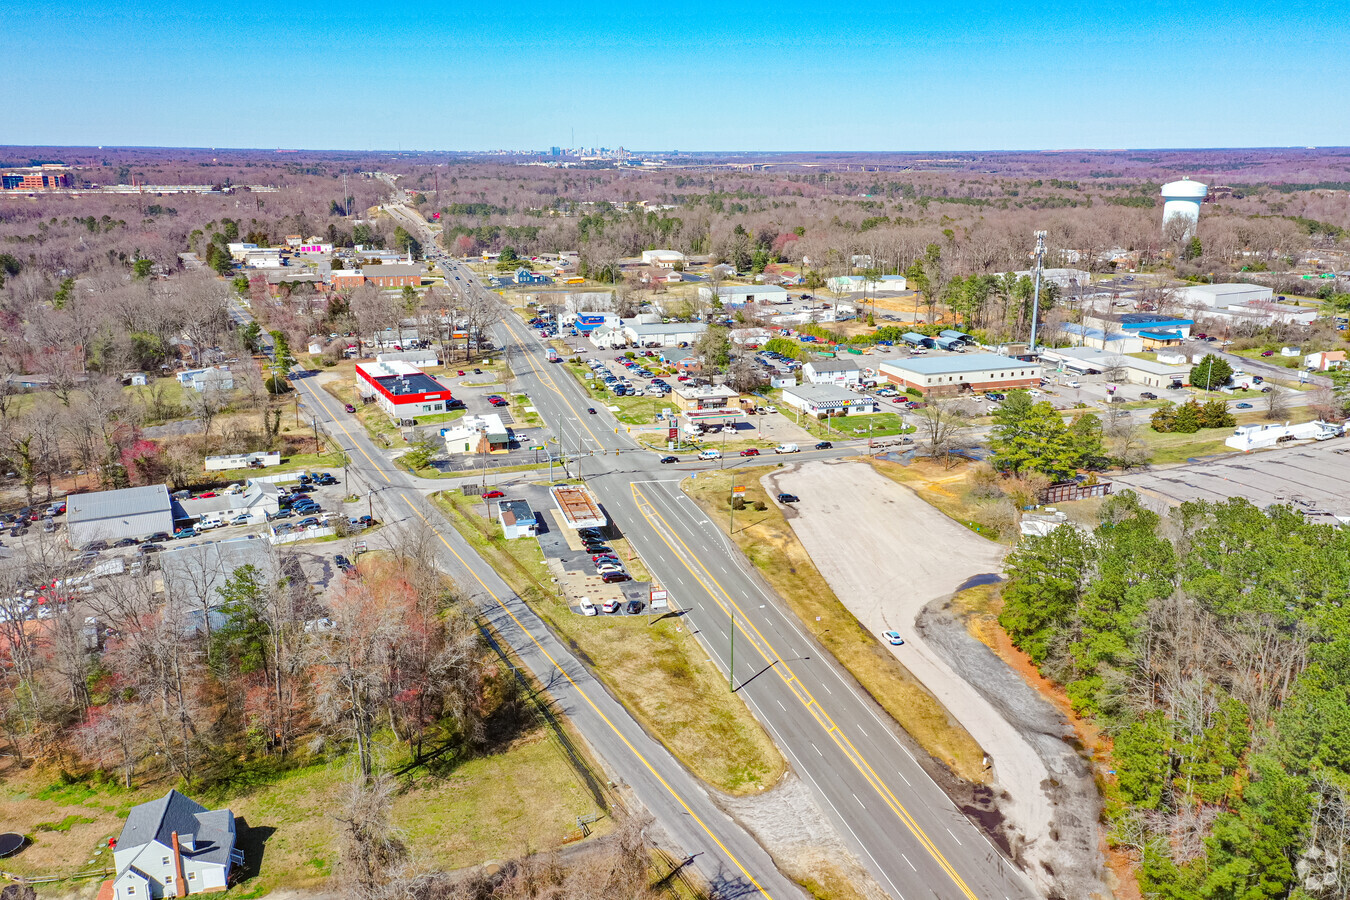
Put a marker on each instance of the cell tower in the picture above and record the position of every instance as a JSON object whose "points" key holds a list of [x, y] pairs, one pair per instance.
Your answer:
{"points": [[1036, 297]]}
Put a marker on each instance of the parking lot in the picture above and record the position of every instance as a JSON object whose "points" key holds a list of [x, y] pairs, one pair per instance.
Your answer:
{"points": [[1314, 478]]}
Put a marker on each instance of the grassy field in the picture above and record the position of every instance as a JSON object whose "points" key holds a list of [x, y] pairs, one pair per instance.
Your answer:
{"points": [[525, 419], [886, 424], [768, 541], [1173, 447], [523, 799], [378, 425], [659, 672]]}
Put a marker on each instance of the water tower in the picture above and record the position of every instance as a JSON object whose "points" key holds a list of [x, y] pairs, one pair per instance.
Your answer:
{"points": [[1183, 198]]}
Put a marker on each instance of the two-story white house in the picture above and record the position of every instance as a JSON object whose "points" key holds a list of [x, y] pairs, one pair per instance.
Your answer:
{"points": [[173, 847]]}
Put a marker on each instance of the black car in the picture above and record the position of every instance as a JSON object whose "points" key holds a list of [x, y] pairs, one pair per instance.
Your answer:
{"points": [[788, 498], [824, 445], [666, 460], [598, 548], [149, 548], [591, 410], [1148, 395], [342, 562], [96, 546], [126, 542], [613, 577], [634, 607], [157, 537]]}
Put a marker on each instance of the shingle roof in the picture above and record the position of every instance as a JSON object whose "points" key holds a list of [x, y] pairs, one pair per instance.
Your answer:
{"points": [[159, 819], [125, 502], [833, 365]]}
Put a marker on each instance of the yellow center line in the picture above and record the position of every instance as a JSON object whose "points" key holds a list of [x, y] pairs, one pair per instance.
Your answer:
{"points": [[784, 672], [540, 647], [548, 381], [338, 422]]}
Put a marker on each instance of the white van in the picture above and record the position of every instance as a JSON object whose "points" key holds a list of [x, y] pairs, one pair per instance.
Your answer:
{"points": [[710, 454], [786, 448]]}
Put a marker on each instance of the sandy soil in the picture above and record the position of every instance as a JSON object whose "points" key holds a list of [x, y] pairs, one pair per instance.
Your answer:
{"points": [[888, 554]]}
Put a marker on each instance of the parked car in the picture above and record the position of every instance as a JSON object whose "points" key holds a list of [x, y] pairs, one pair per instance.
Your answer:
{"points": [[311, 522], [157, 536], [635, 607], [612, 606], [185, 533], [893, 638], [1148, 395], [125, 542], [614, 577], [1267, 352], [241, 519], [788, 498], [343, 563], [587, 607], [349, 408], [493, 495], [750, 452]]}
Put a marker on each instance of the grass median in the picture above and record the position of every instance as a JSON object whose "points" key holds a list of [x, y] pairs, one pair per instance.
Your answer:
{"points": [[769, 543], [658, 671]]}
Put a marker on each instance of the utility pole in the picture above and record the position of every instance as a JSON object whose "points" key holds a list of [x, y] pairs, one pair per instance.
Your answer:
{"points": [[1036, 298]]}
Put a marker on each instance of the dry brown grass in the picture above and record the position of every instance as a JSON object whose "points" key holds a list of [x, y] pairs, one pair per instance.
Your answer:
{"points": [[658, 671], [949, 490], [768, 541]]}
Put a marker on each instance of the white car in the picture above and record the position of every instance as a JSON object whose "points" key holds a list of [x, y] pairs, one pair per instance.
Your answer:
{"points": [[587, 607], [612, 606], [1033, 392], [710, 454], [893, 638], [1073, 384]]}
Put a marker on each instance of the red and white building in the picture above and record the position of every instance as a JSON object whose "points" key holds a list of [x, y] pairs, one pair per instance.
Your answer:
{"points": [[973, 372], [402, 390]]}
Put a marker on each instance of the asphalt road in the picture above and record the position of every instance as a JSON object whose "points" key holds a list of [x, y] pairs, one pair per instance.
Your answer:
{"points": [[898, 821], [725, 854]]}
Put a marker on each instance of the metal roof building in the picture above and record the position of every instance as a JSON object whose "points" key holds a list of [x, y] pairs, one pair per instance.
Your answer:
{"points": [[827, 399], [951, 374], [111, 515]]}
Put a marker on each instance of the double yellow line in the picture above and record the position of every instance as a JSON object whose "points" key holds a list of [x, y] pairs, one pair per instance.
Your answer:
{"points": [[799, 690], [534, 640]]}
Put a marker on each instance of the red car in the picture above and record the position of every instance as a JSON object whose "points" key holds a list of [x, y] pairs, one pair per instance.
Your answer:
{"points": [[493, 495], [207, 495], [349, 408], [751, 452]]}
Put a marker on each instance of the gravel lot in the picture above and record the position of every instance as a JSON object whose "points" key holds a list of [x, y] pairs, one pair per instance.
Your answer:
{"points": [[887, 555]]}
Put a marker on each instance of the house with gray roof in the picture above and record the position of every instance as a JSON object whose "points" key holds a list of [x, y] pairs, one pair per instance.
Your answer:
{"points": [[173, 847], [842, 371]]}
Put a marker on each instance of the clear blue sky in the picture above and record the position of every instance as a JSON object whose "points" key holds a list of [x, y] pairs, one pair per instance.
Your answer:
{"points": [[935, 74]]}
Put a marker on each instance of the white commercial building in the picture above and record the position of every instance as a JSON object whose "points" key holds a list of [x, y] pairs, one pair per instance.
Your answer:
{"points": [[742, 294], [424, 359], [822, 400], [844, 372], [477, 434], [658, 334], [662, 259], [1090, 363], [1219, 296]]}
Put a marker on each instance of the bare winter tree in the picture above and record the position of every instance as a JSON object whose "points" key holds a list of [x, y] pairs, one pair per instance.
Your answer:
{"points": [[942, 428]]}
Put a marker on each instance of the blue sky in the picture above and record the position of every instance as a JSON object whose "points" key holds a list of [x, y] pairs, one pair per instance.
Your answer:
{"points": [[932, 75]]}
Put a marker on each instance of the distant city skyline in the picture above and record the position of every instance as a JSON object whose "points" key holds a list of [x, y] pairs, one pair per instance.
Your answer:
{"points": [[930, 77]]}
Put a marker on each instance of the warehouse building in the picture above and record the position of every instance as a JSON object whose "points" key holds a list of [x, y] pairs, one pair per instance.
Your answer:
{"points": [[1220, 296], [941, 375], [112, 515], [742, 294], [1092, 364]]}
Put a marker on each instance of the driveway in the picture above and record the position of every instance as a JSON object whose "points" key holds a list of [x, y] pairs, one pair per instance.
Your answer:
{"points": [[887, 554]]}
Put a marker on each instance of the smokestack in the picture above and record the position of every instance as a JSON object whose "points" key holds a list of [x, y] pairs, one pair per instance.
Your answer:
{"points": [[180, 882]]}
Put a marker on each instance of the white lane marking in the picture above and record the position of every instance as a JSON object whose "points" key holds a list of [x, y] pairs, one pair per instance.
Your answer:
{"points": [[860, 803], [902, 776], [911, 865], [817, 749], [954, 837]]}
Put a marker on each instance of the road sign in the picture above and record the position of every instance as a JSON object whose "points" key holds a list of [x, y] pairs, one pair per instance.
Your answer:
{"points": [[738, 491], [672, 434], [659, 599]]}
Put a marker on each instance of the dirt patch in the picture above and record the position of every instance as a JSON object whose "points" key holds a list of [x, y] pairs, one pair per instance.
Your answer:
{"points": [[1065, 856], [793, 828]]}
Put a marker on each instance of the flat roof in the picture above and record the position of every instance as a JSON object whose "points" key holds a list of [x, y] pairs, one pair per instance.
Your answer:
{"points": [[950, 365], [1108, 358], [824, 393], [1230, 288], [833, 365], [420, 383], [515, 512], [392, 270], [125, 502]]}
